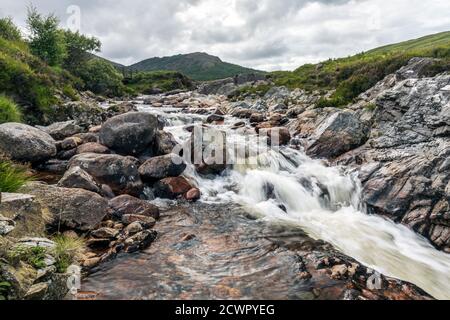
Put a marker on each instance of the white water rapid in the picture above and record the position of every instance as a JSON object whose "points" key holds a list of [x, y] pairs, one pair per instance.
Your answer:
{"points": [[290, 188]]}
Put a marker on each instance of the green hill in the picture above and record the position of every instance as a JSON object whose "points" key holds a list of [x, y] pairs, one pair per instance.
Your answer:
{"points": [[197, 66], [353, 75]]}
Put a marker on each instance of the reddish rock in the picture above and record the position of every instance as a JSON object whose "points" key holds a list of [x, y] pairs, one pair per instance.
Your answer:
{"points": [[93, 147], [125, 205], [172, 188], [277, 136], [193, 194]]}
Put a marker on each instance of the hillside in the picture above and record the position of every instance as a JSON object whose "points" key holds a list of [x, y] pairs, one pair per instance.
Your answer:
{"points": [[198, 66], [353, 75]]}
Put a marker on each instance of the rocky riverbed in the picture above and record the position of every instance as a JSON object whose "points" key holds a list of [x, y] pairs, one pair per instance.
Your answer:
{"points": [[345, 199]]}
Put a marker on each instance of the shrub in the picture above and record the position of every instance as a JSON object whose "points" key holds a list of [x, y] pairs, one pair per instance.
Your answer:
{"points": [[101, 77], [5, 287], [34, 256], [8, 30], [67, 251], [9, 112], [12, 176]]}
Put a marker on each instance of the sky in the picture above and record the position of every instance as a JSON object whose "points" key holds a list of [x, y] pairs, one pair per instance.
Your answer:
{"points": [[264, 34]]}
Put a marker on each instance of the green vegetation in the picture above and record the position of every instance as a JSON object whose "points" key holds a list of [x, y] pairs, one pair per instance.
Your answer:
{"points": [[67, 251], [46, 39], [78, 49], [9, 112], [8, 30], [353, 75], [34, 256], [259, 90], [102, 78], [5, 286], [197, 66], [146, 82], [12, 176]]}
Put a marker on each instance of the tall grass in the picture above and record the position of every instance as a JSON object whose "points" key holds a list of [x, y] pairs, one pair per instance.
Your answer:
{"points": [[68, 250], [12, 176], [9, 112]]}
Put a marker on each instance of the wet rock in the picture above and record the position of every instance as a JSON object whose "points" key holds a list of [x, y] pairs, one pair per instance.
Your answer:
{"points": [[140, 241], [124, 205], [93, 147], [76, 177], [55, 166], [215, 118], [162, 167], [146, 221], [165, 143], [123, 107], [238, 125], [118, 172], [276, 136], [193, 194], [340, 133], [172, 188], [134, 228], [105, 233], [62, 130], [257, 118], [70, 208], [242, 113], [26, 144], [130, 133]]}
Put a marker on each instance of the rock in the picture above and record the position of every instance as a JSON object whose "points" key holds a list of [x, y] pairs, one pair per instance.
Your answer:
{"points": [[62, 130], [295, 112], [87, 137], [278, 107], [106, 191], [162, 167], [193, 194], [146, 221], [134, 228], [242, 113], [208, 151], [165, 143], [125, 204], [76, 177], [140, 241], [123, 107], [215, 118], [6, 225], [172, 188], [26, 213], [84, 114], [55, 166], [276, 136], [118, 172], [26, 144], [66, 155], [93, 147], [68, 143], [37, 291], [20, 277], [130, 133], [105, 233], [257, 118], [70, 208], [340, 133]]}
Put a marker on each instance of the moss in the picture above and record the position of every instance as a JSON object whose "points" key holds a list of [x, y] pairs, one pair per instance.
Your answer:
{"points": [[9, 111]]}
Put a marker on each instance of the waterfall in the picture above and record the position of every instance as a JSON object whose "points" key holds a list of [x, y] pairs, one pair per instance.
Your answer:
{"points": [[285, 186]]}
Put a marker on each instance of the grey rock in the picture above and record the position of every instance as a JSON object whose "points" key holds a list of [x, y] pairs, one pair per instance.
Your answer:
{"points": [[62, 130], [162, 167], [76, 177], [25, 143]]}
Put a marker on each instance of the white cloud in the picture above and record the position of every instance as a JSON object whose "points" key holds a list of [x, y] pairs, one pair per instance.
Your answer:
{"points": [[264, 34]]}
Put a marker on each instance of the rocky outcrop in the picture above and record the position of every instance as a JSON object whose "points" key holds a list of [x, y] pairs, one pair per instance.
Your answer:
{"points": [[118, 172], [130, 133], [69, 208], [26, 144]]}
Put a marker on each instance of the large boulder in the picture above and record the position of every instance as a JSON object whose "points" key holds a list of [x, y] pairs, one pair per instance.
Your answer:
{"points": [[129, 133], [118, 172], [165, 143], [62, 130], [340, 133], [69, 208], [126, 205], [26, 144], [161, 167]]}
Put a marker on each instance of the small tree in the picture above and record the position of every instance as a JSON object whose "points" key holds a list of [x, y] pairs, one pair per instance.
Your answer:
{"points": [[101, 77], [8, 30], [78, 48], [46, 40]]}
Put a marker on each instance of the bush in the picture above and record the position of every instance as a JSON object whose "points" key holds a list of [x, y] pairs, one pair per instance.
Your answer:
{"points": [[145, 82], [12, 176], [101, 77], [9, 112], [8, 30], [68, 250], [34, 256]]}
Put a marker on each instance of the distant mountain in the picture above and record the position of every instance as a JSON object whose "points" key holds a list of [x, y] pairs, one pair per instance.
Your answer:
{"points": [[198, 66]]}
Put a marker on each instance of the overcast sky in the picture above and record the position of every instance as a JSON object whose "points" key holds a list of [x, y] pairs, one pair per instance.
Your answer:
{"points": [[263, 34]]}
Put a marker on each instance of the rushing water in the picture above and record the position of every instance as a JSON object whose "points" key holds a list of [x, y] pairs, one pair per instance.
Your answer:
{"points": [[287, 187]]}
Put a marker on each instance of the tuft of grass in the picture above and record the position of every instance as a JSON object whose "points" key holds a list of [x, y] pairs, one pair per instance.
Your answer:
{"points": [[34, 256], [12, 176], [68, 250], [5, 286], [9, 112]]}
